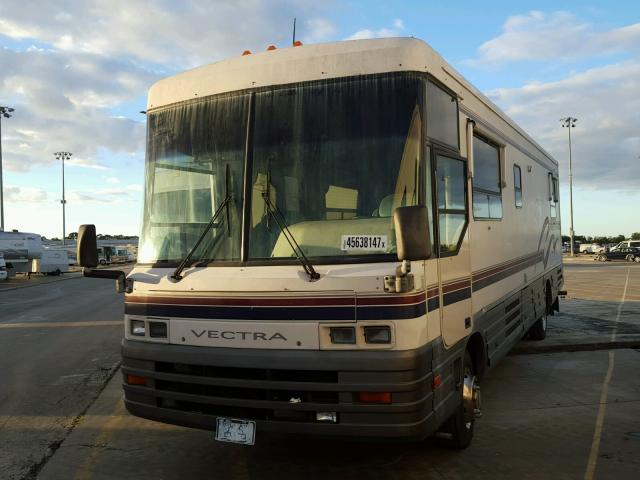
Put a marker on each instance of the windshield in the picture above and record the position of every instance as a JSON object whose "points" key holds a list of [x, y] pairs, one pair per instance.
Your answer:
{"points": [[335, 157], [189, 149]]}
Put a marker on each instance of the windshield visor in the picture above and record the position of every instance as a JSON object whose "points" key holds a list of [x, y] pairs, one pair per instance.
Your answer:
{"points": [[339, 157]]}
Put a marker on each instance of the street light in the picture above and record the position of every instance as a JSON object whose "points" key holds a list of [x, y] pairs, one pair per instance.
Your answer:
{"points": [[63, 156], [570, 122], [6, 113]]}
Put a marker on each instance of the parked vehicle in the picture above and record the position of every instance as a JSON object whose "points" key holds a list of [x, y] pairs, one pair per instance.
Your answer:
{"points": [[629, 254], [628, 243], [590, 248], [51, 262], [329, 270], [19, 249], [3, 268]]}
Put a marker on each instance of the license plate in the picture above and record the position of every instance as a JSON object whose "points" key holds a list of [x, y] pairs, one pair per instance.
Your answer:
{"points": [[364, 242], [233, 430]]}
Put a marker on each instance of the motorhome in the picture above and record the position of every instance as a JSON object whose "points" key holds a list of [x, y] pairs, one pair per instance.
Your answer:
{"points": [[3, 268], [338, 240], [19, 250], [52, 261]]}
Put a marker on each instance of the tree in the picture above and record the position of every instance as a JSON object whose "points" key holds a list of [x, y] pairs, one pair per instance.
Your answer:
{"points": [[635, 236], [72, 235]]}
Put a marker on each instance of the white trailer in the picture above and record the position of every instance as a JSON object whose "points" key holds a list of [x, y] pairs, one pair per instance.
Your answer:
{"points": [[51, 262], [19, 250], [280, 285]]}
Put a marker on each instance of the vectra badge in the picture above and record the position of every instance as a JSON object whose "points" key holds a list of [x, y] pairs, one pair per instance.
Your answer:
{"points": [[233, 335]]}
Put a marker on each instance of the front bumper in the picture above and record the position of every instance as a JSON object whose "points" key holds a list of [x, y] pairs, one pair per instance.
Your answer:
{"points": [[282, 390]]}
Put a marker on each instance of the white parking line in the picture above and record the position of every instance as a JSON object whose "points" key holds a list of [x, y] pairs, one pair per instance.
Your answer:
{"points": [[597, 434]]}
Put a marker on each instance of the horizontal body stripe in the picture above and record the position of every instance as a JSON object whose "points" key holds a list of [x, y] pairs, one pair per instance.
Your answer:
{"points": [[456, 296], [505, 271], [301, 308]]}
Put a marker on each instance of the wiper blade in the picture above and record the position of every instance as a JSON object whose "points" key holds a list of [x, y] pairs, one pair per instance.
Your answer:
{"points": [[284, 228], [212, 223]]}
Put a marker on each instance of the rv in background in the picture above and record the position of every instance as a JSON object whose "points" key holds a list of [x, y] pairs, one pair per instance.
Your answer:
{"points": [[51, 262], [19, 249], [3, 268]]}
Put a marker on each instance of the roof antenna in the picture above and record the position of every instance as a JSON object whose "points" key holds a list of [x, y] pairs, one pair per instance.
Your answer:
{"points": [[293, 42]]}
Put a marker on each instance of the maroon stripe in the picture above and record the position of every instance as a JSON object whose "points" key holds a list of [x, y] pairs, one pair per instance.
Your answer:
{"points": [[392, 300], [457, 285], [243, 302], [500, 268]]}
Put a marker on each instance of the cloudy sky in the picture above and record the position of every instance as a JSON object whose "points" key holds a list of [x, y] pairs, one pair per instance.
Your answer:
{"points": [[77, 72]]}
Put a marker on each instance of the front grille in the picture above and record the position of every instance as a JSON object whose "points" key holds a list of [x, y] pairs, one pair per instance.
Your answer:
{"points": [[312, 376]]}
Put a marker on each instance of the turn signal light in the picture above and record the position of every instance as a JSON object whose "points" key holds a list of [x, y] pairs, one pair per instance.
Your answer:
{"points": [[246, 52], [136, 380], [271, 47], [374, 397], [297, 43]]}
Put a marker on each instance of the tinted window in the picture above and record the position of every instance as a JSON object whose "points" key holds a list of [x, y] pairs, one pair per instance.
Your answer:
{"points": [[442, 116], [487, 191], [450, 176], [517, 185]]}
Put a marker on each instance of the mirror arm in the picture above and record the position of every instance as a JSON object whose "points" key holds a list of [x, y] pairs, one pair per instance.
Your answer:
{"points": [[123, 284]]}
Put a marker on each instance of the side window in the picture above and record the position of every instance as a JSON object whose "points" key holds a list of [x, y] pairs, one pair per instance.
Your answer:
{"points": [[487, 188], [517, 185], [442, 116], [452, 218], [553, 196]]}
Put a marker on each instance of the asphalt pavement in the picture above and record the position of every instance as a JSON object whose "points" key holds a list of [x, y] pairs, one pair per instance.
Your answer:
{"points": [[59, 345]]}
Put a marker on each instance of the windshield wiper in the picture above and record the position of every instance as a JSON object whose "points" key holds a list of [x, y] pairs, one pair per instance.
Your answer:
{"points": [[224, 205], [284, 228]]}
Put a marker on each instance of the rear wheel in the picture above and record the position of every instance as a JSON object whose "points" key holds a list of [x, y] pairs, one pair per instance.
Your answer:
{"points": [[637, 259], [459, 428]]}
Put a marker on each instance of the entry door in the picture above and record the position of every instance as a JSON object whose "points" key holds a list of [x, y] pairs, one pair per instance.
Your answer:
{"points": [[453, 247]]}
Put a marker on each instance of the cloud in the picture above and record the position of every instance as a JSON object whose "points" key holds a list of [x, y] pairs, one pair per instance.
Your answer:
{"points": [[112, 180], [14, 194], [62, 102], [396, 30], [163, 33], [606, 141], [558, 35]]}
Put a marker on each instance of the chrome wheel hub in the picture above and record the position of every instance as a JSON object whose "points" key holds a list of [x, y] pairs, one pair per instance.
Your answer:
{"points": [[471, 399]]}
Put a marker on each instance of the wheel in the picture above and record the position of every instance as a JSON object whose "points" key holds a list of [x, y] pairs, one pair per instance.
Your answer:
{"points": [[636, 259], [57, 272], [538, 330], [102, 261], [629, 258], [459, 427], [602, 258]]}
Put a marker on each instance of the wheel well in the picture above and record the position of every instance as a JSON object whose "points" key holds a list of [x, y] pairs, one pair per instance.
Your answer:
{"points": [[476, 348]]}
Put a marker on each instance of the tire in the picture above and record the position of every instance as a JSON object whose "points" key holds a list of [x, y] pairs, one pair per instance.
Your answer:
{"points": [[57, 272], [538, 330], [460, 426], [636, 259], [629, 258], [102, 262], [602, 258]]}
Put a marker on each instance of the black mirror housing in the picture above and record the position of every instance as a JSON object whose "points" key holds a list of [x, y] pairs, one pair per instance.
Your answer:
{"points": [[412, 233], [87, 249]]}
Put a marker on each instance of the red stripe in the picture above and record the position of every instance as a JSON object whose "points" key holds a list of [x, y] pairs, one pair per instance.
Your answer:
{"points": [[450, 287], [281, 302]]}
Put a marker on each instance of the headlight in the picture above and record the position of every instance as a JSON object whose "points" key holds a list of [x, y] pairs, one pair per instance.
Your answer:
{"points": [[381, 334], [138, 328], [343, 335]]}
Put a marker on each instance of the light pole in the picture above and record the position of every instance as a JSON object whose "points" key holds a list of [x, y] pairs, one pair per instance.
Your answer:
{"points": [[570, 122], [6, 113], [63, 156]]}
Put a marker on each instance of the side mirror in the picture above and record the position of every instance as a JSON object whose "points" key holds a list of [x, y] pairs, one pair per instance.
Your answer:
{"points": [[87, 250], [412, 233]]}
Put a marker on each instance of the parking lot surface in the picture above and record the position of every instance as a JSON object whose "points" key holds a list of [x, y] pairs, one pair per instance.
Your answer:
{"points": [[555, 413]]}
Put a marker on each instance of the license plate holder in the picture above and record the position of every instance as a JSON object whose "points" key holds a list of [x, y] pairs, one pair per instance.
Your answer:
{"points": [[235, 430]]}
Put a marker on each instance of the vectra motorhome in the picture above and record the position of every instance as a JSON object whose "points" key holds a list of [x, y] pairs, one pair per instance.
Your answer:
{"points": [[338, 240]]}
